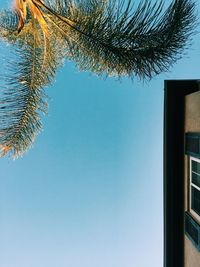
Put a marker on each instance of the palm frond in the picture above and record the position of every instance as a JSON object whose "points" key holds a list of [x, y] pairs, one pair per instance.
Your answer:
{"points": [[23, 99], [114, 38]]}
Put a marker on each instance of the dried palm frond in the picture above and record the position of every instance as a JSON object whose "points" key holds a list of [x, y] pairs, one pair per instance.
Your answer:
{"points": [[105, 37], [21, 8]]}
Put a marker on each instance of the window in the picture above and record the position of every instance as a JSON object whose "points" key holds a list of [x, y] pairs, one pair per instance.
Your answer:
{"points": [[192, 215], [194, 199]]}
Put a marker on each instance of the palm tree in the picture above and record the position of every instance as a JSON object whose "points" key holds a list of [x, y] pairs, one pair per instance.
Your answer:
{"points": [[111, 38]]}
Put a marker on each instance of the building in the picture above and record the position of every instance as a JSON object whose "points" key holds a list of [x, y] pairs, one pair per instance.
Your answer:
{"points": [[182, 173]]}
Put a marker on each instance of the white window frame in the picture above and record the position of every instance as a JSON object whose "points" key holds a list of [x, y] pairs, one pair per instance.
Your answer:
{"points": [[195, 215]]}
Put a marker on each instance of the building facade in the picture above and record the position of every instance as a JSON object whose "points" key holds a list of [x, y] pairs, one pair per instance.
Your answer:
{"points": [[192, 180], [182, 174]]}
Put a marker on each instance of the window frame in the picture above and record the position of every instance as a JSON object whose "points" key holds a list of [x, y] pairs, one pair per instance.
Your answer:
{"points": [[193, 213]]}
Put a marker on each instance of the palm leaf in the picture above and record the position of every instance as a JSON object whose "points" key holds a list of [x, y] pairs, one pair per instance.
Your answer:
{"points": [[114, 38], [23, 99]]}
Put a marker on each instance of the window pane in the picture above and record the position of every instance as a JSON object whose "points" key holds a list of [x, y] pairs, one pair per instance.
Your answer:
{"points": [[196, 166], [191, 229], [196, 179], [196, 200], [192, 144]]}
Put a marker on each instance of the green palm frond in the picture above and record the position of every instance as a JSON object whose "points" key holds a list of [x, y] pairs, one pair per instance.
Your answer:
{"points": [[114, 38], [105, 37]]}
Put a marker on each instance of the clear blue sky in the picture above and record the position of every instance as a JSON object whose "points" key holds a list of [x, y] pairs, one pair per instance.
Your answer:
{"points": [[89, 193]]}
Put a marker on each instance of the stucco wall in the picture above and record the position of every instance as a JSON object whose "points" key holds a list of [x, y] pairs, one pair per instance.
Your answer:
{"points": [[192, 124]]}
